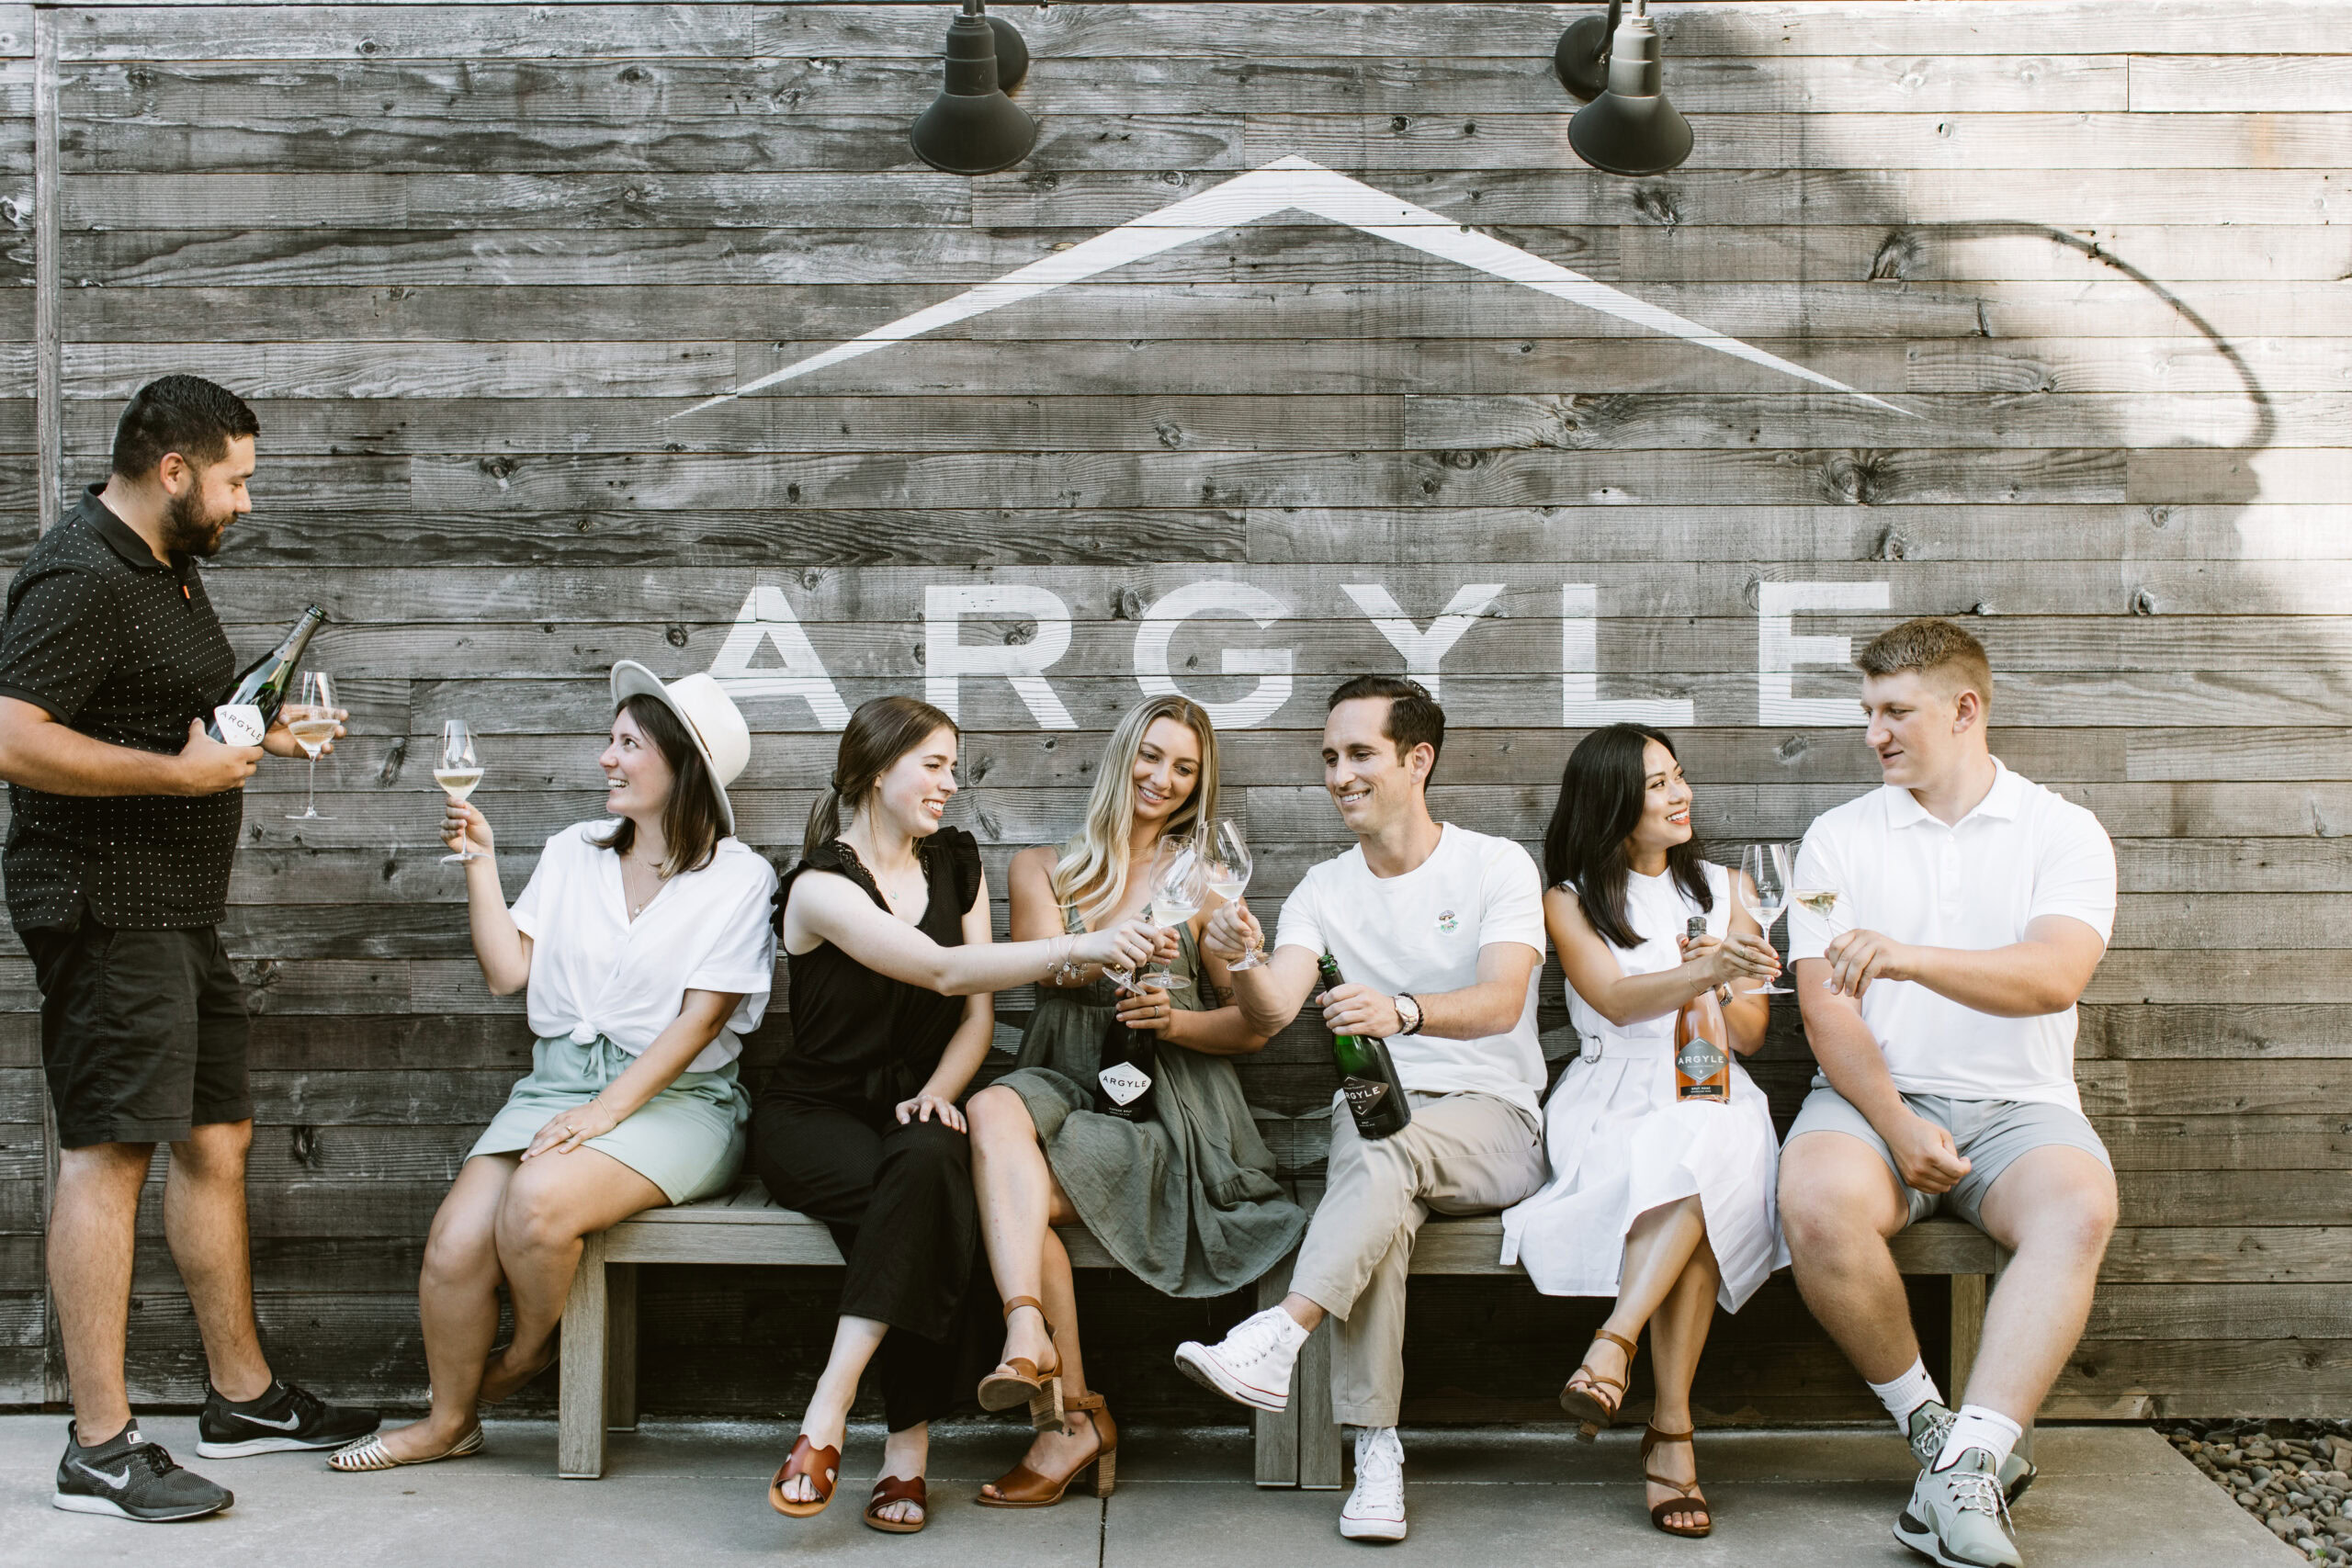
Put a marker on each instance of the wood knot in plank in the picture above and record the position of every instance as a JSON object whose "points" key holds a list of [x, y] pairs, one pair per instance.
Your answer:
{"points": [[1656, 204], [1900, 257], [1857, 478]]}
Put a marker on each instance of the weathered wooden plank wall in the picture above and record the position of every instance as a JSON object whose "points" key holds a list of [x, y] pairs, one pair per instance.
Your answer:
{"points": [[469, 260]]}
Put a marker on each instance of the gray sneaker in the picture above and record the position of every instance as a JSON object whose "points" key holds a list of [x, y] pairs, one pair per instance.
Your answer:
{"points": [[1957, 1515], [1931, 1424], [130, 1478]]}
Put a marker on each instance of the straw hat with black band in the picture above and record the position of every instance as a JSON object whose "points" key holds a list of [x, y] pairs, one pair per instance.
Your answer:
{"points": [[711, 718]]}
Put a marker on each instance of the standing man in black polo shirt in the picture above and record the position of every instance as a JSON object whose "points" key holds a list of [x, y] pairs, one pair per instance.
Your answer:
{"points": [[123, 821]]}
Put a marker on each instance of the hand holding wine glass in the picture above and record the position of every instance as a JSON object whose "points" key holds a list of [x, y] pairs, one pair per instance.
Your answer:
{"points": [[1229, 866], [1764, 892], [458, 772]]}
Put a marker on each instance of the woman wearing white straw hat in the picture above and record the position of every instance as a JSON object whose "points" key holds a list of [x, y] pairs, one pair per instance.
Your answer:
{"points": [[648, 952]]}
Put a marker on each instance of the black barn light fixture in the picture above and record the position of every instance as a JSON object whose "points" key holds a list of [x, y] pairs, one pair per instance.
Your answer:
{"points": [[1626, 126], [972, 127]]}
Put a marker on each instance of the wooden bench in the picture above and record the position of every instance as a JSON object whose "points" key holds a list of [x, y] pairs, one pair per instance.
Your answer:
{"points": [[1298, 1447], [1473, 1245]]}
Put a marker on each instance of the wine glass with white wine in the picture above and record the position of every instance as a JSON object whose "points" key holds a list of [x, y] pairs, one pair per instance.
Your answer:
{"points": [[1765, 895], [458, 772], [1822, 904], [1179, 883], [1229, 865], [313, 724]]}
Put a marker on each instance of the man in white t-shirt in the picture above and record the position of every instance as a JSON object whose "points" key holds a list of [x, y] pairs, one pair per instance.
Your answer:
{"points": [[1438, 933], [1970, 910]]}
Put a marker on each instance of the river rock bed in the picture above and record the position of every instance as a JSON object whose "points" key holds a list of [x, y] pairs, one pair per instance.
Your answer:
{"points": [[2289, 1474]]}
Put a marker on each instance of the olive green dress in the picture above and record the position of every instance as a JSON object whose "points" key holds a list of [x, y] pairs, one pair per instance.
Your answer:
{"points": [[1187, 1200]]}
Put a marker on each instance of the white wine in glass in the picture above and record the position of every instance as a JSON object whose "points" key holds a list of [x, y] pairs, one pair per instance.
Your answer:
{"points": [[1229, 878], [1822, 903], [458, 772], [311, 723], [1179, 882], [1766, 894]]}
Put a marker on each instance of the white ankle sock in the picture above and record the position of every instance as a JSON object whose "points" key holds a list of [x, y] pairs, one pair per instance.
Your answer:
{"points": [[1979, 1427], [1906, 1394]]}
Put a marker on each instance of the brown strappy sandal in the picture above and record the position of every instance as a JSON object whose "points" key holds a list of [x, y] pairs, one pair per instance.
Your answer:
{"points": [[1689, 1501], [1586, 1402], [889, 1490], [822, 1466], [1017, 1378], [1021, 1487]]}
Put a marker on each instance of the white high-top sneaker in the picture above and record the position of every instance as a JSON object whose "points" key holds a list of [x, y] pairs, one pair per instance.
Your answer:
{"points": [[1375, 1509], [1251, 1364]]}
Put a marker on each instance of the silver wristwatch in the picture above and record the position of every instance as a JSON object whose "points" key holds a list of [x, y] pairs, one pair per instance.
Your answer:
{"points": [[1409, 1013]]}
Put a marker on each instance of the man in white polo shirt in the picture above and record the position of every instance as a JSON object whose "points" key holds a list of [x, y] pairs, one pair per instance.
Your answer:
{"points": [[1438, 933], [1939, 991]]}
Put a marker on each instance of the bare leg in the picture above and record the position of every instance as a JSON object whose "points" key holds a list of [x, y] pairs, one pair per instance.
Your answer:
{"points": [[550, 1203], [1019, 1202], [826, 1420], [204, 1221], [2055, 1207], [1658, 1248], [1677, 1332], [1065, 1448], [92, 1224], [1017, 1199], [1838, 1205], [456, 1298]]}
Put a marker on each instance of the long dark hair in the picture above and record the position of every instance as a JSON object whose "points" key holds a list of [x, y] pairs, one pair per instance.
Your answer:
{"points": [[879, 733], [691, 822], [1601, 792]]}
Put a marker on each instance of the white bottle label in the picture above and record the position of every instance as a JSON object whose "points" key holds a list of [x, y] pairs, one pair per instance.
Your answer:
{"points": [[240, 723], [1123, 1083]]}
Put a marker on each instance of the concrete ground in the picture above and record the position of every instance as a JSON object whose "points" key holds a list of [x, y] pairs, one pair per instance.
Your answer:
{"points": [[695, 1493]]}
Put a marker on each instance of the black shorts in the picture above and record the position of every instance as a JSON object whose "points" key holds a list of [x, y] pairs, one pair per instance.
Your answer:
{"points": [[142, 1033]]}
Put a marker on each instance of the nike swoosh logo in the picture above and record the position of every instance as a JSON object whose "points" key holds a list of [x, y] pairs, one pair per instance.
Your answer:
{"points": [[285, 1426], [110, 1479]]}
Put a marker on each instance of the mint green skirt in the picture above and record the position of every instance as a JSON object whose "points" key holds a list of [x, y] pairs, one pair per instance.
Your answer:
{"points": [[687, 1140]]}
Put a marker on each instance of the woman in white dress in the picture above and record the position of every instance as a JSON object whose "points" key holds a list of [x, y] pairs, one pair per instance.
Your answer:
{"points": [[1665, 1204]]}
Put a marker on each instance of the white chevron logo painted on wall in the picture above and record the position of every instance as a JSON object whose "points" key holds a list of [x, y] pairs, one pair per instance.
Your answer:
{"points": [[1288, 185]]}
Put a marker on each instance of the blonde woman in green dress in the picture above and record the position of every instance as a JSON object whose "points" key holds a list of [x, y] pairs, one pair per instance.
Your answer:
{"points": [[1186, 1200]]}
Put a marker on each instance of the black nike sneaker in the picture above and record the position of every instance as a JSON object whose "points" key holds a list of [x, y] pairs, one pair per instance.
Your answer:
{"points": [[131, 1478], [289, 1417]]}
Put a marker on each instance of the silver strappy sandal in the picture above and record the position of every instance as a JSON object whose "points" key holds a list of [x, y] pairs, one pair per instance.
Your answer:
{"points": [[369, 1454]]}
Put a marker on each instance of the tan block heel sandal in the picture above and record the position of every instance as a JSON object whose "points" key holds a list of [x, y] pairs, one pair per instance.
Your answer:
{"points": [[1018, 1379]]}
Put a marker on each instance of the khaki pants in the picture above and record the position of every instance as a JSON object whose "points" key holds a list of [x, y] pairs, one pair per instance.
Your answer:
{"points": [[1462, 1154]]}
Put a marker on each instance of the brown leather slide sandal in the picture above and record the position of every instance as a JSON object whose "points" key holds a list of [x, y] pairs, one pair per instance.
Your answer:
{"points": [[822, 1466], [1690, 1502], [1585, 1403], [889, 1490]]}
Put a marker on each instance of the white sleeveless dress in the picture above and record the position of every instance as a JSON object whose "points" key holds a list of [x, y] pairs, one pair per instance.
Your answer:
{"points": [[1621, 1144]]}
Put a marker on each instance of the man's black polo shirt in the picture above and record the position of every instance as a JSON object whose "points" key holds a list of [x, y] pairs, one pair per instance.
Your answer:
{"points": [[124, 648]]}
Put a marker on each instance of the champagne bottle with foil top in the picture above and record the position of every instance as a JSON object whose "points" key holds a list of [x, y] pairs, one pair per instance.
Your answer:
{"points": [[265, 682], [1368, 1079], [1701, 1043]]}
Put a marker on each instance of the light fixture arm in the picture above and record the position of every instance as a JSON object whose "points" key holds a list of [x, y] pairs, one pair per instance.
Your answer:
{"points": [[1581, 57]]}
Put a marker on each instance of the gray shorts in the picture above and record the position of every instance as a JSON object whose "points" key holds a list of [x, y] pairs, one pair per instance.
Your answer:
{"points": [[1992, 1134]]}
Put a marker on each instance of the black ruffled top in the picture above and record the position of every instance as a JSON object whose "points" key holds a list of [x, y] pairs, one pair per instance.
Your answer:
{"points": [[862, 1040]]}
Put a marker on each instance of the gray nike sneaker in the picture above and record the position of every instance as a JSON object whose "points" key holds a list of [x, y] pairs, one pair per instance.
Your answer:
{"points": [[1957, 1516], [130, 1478], [1931, 1424]]}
